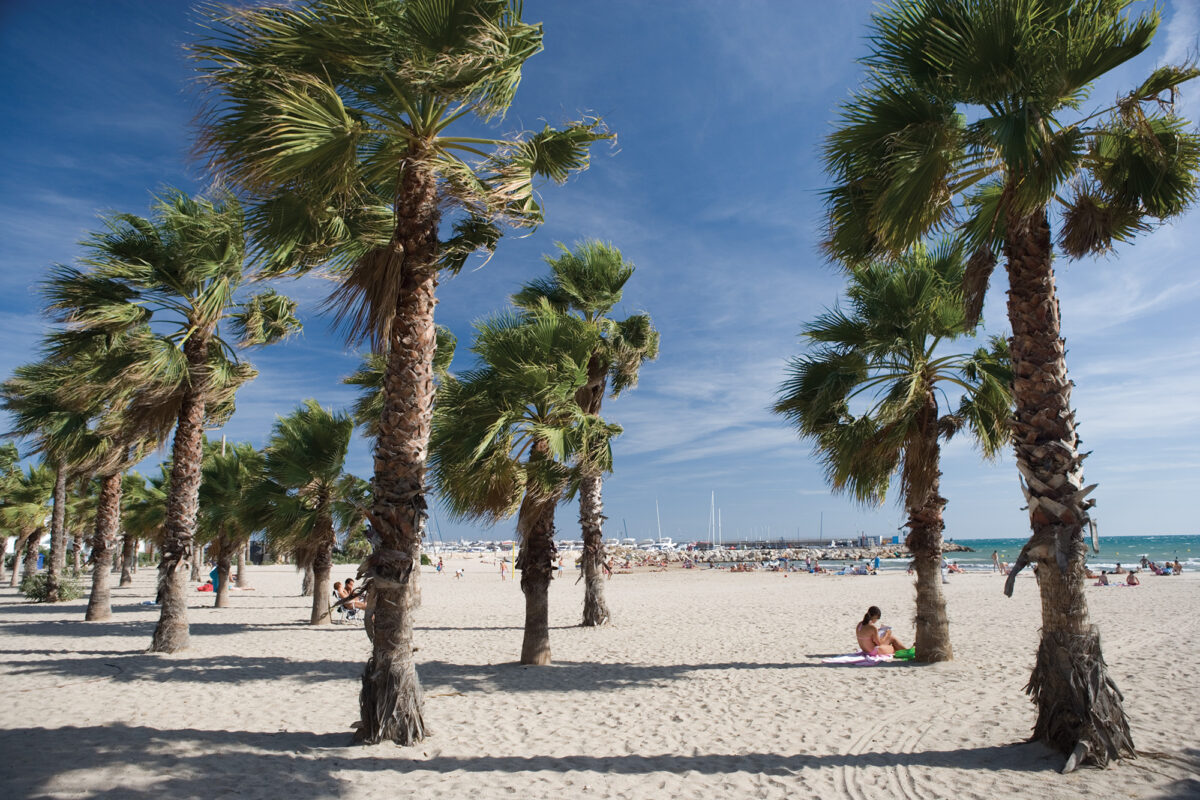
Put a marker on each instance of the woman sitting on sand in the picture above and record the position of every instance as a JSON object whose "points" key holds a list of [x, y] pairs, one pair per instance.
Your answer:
{"points": [[872, 640]]}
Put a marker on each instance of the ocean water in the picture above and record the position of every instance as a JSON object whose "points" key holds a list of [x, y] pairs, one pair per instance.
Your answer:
{"points": [[1125, 550]]}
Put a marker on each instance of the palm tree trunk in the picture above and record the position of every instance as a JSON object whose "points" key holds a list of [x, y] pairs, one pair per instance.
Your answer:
{"points": [[15, 576], [32, 546], [322, 568], [306, 583], [591, 522], [390, 701], [198, 559], [58, 535], [128, 556], [108, 522], [224, 571], [535, 530], [1079, 706], [187, 452], [4, 555], [242, 580], [924, 541], [77, 553]]}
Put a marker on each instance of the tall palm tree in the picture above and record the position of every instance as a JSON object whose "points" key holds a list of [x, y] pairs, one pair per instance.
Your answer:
{"points": [[339, 118], [505, 436], [304, 482], [588, 281], [225, 521], [180, 269], [969, 120], [866, 395], [24, 513]]}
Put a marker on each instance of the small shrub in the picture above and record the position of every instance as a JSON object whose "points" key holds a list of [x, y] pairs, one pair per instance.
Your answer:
{"points": [[34, 587], [425, 562]]}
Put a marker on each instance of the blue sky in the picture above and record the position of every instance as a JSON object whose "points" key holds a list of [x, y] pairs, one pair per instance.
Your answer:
{"points": [[713, 191]]}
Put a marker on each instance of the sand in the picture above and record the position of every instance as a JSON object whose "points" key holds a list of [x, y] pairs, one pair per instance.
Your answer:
{"points": [[707, 685]]}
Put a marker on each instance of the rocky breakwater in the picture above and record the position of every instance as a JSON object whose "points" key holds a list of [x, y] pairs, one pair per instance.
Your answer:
{"points": [[724, 555]]}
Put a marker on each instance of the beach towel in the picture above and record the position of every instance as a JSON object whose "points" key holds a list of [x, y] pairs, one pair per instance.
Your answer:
{"points": [[859, 659]]}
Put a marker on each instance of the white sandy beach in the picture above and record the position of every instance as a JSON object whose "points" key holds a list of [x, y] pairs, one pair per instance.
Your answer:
{"points": [[707, 685]]}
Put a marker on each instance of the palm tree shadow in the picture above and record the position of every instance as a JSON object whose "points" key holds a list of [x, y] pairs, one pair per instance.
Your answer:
{"points": [[191, 763], [568, 676], [224, 669]]}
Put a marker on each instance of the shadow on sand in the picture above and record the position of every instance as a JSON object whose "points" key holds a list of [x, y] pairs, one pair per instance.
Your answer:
{"points": [[190, 763]]}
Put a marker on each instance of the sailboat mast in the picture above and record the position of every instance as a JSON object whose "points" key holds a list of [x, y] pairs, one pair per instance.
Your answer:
{"points": [[658, 517]]}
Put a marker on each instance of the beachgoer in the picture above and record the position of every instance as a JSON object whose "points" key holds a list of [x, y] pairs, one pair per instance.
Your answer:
{"points": [[440, 565], [876, 568], [873, 640], [503, 568], [608, 567], [944, 569], [995, 560], [458, 573], [346, 592], [1178, 566], [1132, 579], [1119, 570], [1103, 578]]}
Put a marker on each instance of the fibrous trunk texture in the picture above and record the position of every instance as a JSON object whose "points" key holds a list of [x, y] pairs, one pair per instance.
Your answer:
{"points": [[391, 701], [32, 545], [77, 553], [306, 583], [224, 571], [18, 548], [924, 541], [198, 559], [242, 580], [1079, 707], [535, 530], [128, 559], [187, 452], [58, 536], [591, 522], [4, 557], [322, 568], [108, 522]]}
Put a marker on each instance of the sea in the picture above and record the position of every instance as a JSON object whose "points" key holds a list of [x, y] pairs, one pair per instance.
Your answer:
{"points": [[1124, 550]]}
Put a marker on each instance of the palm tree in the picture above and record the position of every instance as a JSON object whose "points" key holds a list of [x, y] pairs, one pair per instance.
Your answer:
{"points": [[181, 270], [24, 512], [588, 281], [46, 412], [225, 521], [336, 117], [504, 437], [969, 121], [9, 474], [867, 397], [303, 489]]}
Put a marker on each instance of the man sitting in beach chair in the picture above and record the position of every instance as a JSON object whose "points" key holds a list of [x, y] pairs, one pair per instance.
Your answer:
{"points": [[349, 610]]}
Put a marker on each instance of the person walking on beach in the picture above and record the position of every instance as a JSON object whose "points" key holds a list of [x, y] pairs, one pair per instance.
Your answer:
{"points": [[503, 568], [996, 560]]}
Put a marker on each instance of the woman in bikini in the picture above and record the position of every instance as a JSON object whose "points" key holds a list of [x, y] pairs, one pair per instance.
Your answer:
{"points": [[872, 641]]}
